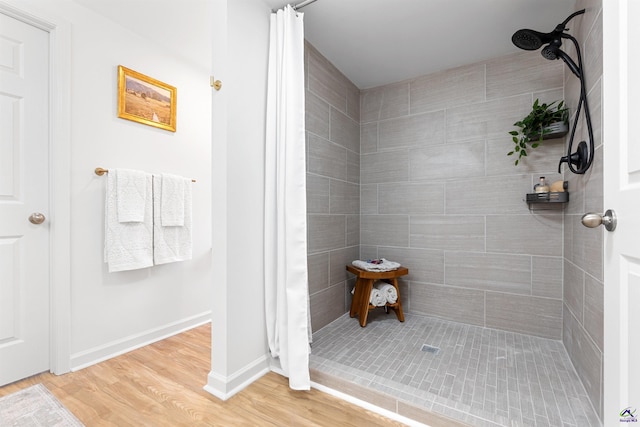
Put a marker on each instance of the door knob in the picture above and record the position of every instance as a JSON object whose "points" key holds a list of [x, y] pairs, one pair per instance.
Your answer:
{"points": [[592, 220], [36, 218]]}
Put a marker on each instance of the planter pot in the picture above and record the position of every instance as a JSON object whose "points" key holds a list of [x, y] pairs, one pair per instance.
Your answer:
{"points": [[554, 130]]}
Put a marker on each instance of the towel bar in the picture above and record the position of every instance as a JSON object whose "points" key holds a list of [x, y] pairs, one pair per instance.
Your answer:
{"points": [[102, 171]]}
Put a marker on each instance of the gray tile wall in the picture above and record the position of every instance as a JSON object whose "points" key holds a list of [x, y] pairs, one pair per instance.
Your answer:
{"points": [[583, 247], [439, 194], [333, 186]]}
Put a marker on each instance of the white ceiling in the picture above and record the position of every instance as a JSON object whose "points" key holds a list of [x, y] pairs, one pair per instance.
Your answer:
{"points": [[375, 42]]}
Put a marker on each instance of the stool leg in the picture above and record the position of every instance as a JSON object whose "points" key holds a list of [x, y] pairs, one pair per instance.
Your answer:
{"points": [[364, 301], [398, 309]]}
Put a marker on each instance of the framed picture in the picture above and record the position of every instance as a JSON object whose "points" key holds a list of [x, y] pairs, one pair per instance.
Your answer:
{"points": [[146, 100]]}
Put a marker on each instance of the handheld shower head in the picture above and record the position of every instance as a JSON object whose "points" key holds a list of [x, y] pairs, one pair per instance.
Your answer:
{"points": [[552, 52]]}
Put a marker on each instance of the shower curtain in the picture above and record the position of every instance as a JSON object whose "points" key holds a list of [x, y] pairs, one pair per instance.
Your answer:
{"points": [[286, 288]]}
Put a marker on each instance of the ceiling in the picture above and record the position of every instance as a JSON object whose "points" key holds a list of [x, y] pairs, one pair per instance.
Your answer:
{"points": [[375, 42]]}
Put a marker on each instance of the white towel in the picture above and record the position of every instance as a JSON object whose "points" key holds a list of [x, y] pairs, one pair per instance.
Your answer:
{"points": [[131, 194], [172, 200], [171, 243], [127, 245], [384, 265], [377, 298], [388, 290]]}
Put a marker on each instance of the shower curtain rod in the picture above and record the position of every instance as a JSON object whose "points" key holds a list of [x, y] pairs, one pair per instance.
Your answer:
{"points": [[303, 4], [298, 6]]}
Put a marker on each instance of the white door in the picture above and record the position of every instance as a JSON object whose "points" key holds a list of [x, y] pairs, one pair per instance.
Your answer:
{"points": [[621, 94], [24, 191]]}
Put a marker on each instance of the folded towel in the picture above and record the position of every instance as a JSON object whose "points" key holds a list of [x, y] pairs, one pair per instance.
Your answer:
{"points": [[172, 200], [388, 290], [171, 243], [379, 265], [377, 297], [131, 194], [127, 245]]}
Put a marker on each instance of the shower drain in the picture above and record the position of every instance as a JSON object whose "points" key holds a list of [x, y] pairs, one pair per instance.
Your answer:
{"points": [[430, 349]]}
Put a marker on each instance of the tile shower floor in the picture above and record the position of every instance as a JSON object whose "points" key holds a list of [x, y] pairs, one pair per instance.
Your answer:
{"points": [[483, 377]]}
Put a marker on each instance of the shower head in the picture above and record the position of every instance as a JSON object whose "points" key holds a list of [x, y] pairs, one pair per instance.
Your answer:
{"points": [[531, 39], [534, 40], [552, 51]]}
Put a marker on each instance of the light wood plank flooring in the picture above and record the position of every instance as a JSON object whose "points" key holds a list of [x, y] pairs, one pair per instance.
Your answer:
{"points": [[161, 385]]}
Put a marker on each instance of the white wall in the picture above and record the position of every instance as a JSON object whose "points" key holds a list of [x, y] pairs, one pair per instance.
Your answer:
{"points": [[241, 39], [113, 312], [247, 83]]}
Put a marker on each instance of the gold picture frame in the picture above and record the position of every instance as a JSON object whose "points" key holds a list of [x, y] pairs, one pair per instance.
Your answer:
{"points": [[146, 100]]}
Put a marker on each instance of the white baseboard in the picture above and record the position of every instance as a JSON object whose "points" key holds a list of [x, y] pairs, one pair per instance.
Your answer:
{"points": [[107, 351], [224, 387]]}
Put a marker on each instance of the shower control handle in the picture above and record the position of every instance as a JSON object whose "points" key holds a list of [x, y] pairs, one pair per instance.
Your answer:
{"points": [[592, 220]]}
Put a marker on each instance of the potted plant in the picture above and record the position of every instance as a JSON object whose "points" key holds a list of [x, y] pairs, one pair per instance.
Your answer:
{"points": [[545, 121]]}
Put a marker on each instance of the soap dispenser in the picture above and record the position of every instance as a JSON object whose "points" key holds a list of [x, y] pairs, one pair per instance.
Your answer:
{"points": [[541, 186]]}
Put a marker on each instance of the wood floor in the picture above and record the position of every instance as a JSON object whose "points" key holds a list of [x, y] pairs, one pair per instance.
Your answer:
{"points": [[161, 385]]}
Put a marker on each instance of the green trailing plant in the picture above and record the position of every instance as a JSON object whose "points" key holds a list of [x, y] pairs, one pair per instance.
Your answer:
{"points": [[534, 126]]}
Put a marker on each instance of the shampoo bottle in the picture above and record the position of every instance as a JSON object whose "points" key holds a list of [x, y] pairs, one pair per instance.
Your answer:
{"points": [[541, 186]]}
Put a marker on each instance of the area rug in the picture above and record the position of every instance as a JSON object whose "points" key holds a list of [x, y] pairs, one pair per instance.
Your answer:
{"points": [[35, 406]]}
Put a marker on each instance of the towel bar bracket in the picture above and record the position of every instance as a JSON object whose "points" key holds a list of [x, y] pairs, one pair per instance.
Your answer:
{"points": [[216, 84]]}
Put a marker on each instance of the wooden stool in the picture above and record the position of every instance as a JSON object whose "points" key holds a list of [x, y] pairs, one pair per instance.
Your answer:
{"points": [[360, 304]]}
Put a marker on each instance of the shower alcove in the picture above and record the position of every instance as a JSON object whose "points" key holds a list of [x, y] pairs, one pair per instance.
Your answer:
{"points": [[416, 172]]}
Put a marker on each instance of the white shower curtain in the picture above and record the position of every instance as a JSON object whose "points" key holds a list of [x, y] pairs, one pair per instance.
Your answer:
{"points": [[286, 289]]}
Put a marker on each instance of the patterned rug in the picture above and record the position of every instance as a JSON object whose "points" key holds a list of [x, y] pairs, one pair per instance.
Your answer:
{"points": [[35, 406]]}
